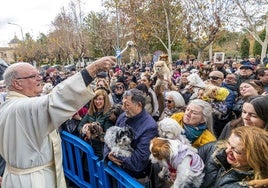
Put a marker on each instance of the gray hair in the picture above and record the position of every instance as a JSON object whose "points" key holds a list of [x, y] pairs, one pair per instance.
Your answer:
{"points": [[206, 112], [177, 98], [136, 96], [12, 72]]}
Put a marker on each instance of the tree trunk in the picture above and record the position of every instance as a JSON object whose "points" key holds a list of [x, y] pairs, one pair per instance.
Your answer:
{"points": [[264, 44], [199, 56], [210, 51]]}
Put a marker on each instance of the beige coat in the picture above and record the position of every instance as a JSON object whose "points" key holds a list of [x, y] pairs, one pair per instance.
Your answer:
{"points": [[29, 141]]}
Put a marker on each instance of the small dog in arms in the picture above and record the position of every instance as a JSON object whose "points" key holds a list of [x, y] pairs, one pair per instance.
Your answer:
{"points": [[93, 130], [171, 129], [119, 139], [184, 165]]}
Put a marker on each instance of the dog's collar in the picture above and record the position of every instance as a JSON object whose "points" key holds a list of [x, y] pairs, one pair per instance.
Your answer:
{"points": [[171, 169]]}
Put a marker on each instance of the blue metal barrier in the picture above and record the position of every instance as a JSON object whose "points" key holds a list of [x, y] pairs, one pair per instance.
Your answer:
{"points": [[122, 179], [101, 176], [73, 150]]}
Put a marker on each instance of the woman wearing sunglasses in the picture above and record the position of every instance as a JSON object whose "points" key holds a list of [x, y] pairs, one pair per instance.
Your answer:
{"points": [[174, 103]]}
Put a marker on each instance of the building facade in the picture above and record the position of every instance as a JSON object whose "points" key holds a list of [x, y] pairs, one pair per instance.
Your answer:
{"points": [[7, 53]]}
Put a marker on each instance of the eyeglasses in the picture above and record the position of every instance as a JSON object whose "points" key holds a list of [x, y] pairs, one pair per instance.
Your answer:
{"points": [[99, 99], [119, 87], [214, 77], [233, 149], [2, 87], [35, 76], [196, 113], [169, 101]]}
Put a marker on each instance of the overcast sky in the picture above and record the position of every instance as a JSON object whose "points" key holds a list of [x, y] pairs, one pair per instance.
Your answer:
{"points": [[33, 16]]}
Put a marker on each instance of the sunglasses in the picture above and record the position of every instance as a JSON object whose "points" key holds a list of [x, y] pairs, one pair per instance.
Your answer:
{"points": [[119, 87], [169, 101], [214, 77]]}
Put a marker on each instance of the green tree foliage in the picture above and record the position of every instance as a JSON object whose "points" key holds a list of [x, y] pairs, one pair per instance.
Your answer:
{"points": [[257, 46], [251, 15], [100, 29], [245, 45], [188, 27], [203, 21]]}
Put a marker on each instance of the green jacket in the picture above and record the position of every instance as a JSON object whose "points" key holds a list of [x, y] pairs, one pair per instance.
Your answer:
{"points": [[96, 143]]}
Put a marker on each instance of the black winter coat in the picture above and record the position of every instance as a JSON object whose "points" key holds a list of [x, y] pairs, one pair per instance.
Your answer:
{"points": [[218, 172]]}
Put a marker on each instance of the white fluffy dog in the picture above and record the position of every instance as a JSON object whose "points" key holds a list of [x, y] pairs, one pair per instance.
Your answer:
{"points": [[47, 88], [195, 81], [118, 139], [171, 129], [180, 159]]}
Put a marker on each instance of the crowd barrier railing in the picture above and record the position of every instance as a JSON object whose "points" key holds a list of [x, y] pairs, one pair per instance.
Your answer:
{"points": [[82, 167]]}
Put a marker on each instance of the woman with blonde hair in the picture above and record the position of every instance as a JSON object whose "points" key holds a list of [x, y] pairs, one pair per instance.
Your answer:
{"points": [[99, 111], [102, 83], [239, 161]]}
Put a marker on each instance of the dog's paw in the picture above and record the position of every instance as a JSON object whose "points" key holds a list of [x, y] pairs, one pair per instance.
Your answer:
{"points": [[128, 153], [180, 185], [124, 153], [161, 174]]}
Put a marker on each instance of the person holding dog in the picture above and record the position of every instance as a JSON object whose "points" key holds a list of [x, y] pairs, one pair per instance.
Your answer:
{"points": [[144, 127], [197, 122], [99, 111], [240, 161], [30, 143]]}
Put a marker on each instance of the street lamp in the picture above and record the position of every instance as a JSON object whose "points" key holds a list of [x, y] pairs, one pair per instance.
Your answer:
{"points": [[19, 27], [117, 32]]}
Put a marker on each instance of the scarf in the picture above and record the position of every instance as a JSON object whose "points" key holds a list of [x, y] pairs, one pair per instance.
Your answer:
{"points": [[192, 133]]}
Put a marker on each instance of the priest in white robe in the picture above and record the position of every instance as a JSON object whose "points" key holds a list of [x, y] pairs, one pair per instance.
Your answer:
{"points": [[29, 141]]}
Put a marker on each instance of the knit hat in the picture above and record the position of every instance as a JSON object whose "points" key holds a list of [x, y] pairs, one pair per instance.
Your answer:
{"points": [[246, 65]]}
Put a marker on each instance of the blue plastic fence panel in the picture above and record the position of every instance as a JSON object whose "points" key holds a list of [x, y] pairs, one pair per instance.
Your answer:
{"points": [[73, 149], [122, 179]]}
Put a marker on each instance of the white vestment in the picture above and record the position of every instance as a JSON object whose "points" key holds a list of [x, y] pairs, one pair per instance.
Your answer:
{"points": [[28, 137]]}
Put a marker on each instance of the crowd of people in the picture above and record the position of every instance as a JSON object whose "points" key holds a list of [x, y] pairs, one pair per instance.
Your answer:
{"points": [[222, 108]]}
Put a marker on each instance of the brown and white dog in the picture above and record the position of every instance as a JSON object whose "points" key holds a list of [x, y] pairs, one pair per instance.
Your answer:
{"points": [[93, 130], [178, 159], [161, 70]]}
